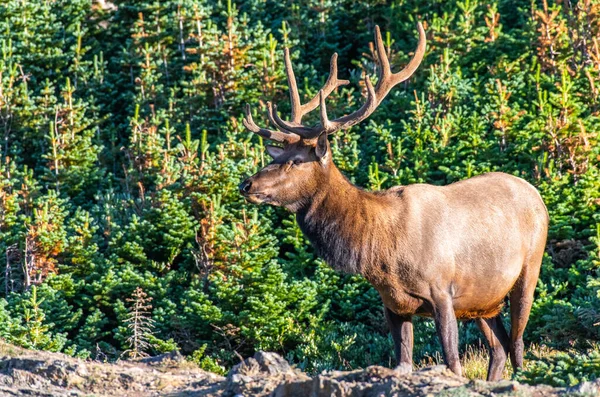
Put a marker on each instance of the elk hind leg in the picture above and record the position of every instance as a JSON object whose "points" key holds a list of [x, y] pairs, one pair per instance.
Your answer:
{"points": [[521, 300], [494, 332]]}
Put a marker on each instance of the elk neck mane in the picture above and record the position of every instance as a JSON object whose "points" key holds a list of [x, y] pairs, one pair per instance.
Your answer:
{"points": [[353, 229]]}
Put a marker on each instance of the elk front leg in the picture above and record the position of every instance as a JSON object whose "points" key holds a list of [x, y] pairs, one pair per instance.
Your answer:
{"points": [[401, 328], [447, 330]]}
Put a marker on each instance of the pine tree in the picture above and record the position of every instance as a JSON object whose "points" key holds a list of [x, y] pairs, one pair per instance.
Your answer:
{"points": [[37, 331]]}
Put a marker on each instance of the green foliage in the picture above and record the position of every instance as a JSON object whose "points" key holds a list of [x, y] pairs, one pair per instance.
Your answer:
{"points": [[122, 149], [10, 328], [35, 330], [563, 369], [205, 362]]}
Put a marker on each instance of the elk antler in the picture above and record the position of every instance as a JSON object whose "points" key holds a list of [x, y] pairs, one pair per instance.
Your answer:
{"points": [[278, 136], [294, 130], [298, 110]]}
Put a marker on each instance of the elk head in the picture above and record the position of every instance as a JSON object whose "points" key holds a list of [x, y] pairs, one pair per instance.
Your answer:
{"points": [[302, 165]]}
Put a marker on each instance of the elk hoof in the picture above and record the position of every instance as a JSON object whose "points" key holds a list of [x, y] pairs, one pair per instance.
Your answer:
{"points": [[403, 369]]}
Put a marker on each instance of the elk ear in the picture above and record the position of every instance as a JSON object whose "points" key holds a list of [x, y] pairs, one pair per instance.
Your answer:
{"points": [[322, 148], [274, 151]]}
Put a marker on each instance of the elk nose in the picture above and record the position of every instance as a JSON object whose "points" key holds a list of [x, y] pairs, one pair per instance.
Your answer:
{"points": [[245, 186]]}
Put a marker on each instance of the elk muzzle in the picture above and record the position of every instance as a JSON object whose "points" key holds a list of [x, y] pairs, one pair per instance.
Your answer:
{"points": [[245, 187], [248, 190]]}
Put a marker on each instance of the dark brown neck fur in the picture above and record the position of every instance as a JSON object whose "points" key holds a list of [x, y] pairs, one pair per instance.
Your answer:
{"points": [[352, 229]]}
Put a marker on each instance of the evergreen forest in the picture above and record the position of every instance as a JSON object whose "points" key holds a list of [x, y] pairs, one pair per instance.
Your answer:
{"points": [[122, 232]]}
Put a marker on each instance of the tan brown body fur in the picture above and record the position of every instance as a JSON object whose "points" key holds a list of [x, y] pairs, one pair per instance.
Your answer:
{"points": [[410, 240]]}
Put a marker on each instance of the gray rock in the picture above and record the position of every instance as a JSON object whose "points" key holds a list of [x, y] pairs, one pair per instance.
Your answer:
{"points": [[587, 388], [259, 375], [25, 372], [171, 357]]}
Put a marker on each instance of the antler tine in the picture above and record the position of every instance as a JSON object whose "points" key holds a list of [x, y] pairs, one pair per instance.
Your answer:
{"points": [[387, 79], [290, 127], [287, 126], [355, 117], [294, 95], [323, 113], [331, 84], [278, 136], [298, 109]]}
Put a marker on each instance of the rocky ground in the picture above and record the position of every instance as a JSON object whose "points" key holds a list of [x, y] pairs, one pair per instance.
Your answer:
{"points": [[33, 373]]}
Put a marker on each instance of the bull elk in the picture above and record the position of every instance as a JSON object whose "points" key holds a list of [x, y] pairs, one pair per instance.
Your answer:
{"points": [[446, 252]]}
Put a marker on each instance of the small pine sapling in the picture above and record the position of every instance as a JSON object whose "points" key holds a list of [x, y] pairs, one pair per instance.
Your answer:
{"points": [[140, 324]]}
